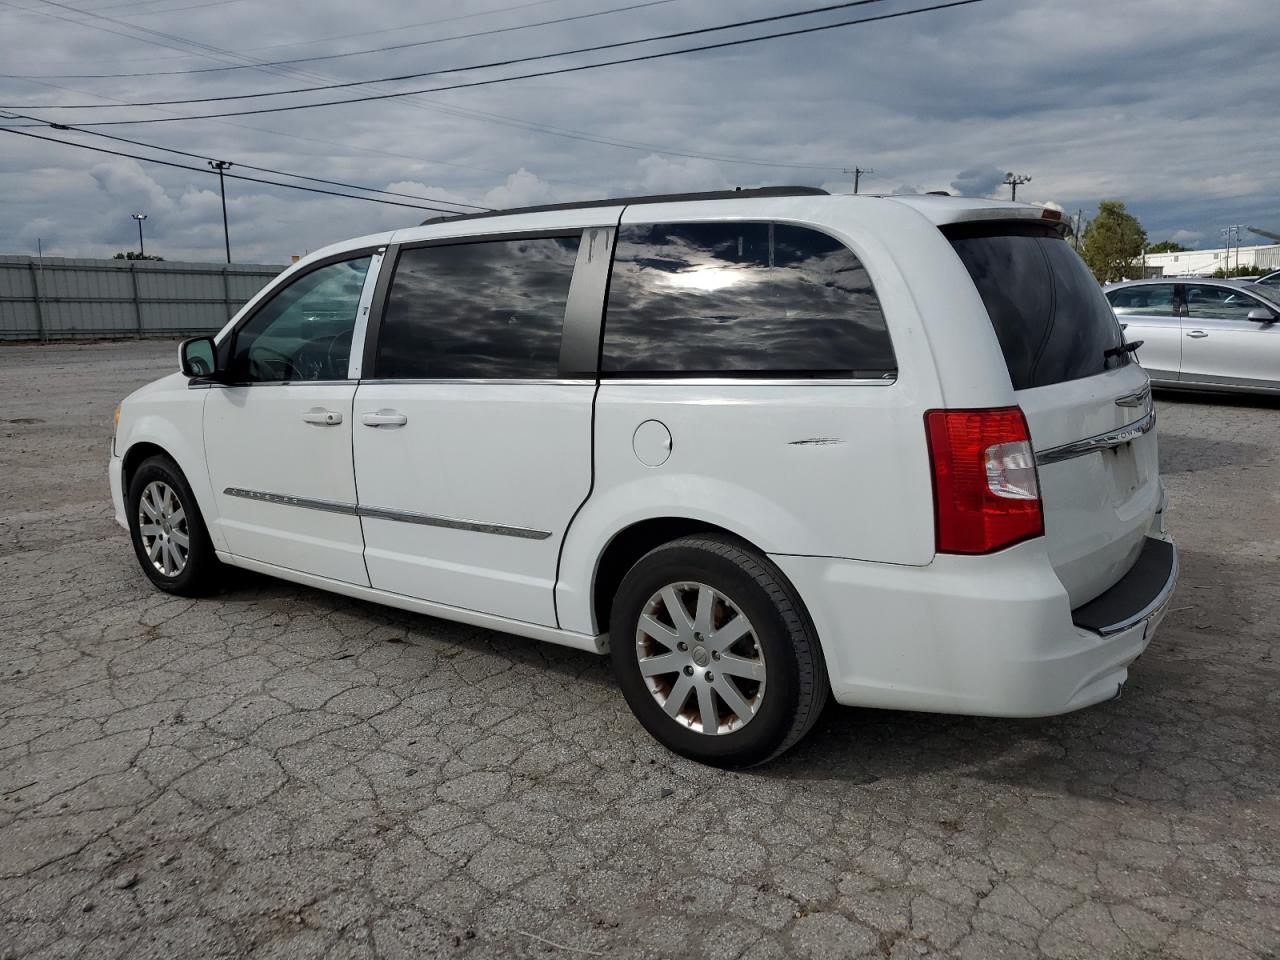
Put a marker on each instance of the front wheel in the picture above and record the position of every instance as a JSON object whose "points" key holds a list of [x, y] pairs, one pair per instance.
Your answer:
{"points": [[168, 532], [714, 652]]}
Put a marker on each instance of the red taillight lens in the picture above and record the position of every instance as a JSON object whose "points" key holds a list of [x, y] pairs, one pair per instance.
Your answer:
{"points": [[986, 494]]}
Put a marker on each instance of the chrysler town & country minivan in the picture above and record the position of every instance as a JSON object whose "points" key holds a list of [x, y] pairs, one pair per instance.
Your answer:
{"points": [[760, 447]]}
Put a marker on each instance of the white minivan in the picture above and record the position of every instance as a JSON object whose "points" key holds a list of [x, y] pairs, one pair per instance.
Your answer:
{"points": [[759, 446]]}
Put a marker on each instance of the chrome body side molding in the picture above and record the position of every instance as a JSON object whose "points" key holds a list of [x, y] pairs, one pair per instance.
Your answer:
{"points": [[328, 506], [384, 513]]}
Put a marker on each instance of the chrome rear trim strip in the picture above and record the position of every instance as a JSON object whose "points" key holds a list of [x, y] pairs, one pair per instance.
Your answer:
{"points": [[1103, 441], [384, 513]]}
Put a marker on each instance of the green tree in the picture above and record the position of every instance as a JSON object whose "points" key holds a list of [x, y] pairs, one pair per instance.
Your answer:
{"points": [[1112, 241], [130, 255], [1167, 246]]}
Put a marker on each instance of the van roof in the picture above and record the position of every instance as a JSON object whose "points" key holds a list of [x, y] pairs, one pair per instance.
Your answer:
{"points": [[737, 194], [940, 209]]}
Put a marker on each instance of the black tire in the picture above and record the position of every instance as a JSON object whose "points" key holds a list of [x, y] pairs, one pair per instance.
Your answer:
{"points": [[796, 686], [201, 573]]}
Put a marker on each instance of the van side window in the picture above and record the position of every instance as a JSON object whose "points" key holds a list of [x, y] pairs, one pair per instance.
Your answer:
{"points": [[741, 299], [487, 310], [304, 331]]}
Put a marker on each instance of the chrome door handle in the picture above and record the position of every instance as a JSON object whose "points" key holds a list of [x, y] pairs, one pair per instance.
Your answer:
{"points": [[326, 418], [1197, 334], [384, 418]]}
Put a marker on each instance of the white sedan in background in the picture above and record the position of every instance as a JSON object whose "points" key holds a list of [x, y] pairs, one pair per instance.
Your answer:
{"points": [[1203, 334]]}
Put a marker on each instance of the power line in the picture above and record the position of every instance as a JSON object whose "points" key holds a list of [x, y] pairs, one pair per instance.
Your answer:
{"points": [[186, 55], [412, 100], [526, 76], [233, 176], [338, 56], [238, 163], [328, 143], [596, 48]]}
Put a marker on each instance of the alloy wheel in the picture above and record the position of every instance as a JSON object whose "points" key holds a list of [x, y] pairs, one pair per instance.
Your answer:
{"points": [[162, 524], [700, 658]]}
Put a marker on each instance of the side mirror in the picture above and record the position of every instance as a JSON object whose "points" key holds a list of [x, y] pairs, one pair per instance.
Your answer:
{"points": [[197, 357], [1262, 315]]}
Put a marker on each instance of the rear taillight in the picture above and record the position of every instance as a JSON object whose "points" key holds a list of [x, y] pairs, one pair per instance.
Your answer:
{"points": [[985, 491]]}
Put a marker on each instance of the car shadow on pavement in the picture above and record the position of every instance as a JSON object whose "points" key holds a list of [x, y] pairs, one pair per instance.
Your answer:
{"points": [[1164, 744]]}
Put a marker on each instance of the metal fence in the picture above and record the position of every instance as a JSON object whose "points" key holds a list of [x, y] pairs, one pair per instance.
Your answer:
{"points": [[56, 298]]}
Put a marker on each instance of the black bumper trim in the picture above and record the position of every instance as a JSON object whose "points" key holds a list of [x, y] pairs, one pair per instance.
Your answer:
{"points": [[1138, 594]]}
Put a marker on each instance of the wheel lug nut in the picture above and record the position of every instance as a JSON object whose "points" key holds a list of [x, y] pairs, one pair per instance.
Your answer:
{"points": [[710, 677], [688, 671], [715, 654], [682, 646]]}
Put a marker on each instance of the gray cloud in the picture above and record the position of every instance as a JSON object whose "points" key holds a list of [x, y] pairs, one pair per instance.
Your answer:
{"points": [[980, 181], [1078, 95]]}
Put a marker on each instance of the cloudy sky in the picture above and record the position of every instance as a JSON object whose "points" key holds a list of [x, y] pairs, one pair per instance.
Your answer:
{"points": [[1165, 104]]}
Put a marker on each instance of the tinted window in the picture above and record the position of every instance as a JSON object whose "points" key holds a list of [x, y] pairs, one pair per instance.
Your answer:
{"points": [[1219, 303], [1154, 299], [1050, 316], [741, 299], [477, 310], [304, 331]]}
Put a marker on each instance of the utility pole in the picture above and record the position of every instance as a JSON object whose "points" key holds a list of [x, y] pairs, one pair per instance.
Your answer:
{"points": [[1014, 180], [142, 251], [1079, 219], [221, 165], [858, 174], [1230, 233]]}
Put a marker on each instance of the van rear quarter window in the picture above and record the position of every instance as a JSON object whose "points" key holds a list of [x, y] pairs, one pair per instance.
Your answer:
{"points": [[741, 299], [1052, 319]]}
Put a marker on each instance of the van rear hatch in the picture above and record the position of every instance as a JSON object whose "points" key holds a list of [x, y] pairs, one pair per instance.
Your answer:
{"points": [[1087, 403]]}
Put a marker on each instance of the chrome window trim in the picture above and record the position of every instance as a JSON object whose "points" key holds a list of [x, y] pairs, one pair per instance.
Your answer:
{"points": [[385, 513], [369, 382], [751, 381], [208, 384], [1103, 441]]}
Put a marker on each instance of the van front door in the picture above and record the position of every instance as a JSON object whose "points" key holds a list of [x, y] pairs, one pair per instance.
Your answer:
{"points": [[277, 434], [473, 435]]}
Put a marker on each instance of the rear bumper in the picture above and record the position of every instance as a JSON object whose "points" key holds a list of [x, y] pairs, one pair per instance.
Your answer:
{"points": [[986, 636]]}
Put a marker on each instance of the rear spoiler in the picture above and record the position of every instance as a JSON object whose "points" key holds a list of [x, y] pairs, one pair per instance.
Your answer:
{"points": [[952, 211]]}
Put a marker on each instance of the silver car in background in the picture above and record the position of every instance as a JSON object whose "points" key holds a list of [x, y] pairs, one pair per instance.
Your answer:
{"points": [[1203, 334]]}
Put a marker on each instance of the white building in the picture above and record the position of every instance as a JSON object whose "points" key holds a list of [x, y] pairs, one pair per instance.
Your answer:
{"points": [[1198, 263]]}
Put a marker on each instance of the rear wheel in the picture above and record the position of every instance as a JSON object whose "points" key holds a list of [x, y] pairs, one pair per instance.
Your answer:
{"points": [[168, 532], [714, 652]]}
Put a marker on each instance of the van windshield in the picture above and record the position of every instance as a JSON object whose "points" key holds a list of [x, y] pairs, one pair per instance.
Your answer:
{"points": [[1052, 320]]}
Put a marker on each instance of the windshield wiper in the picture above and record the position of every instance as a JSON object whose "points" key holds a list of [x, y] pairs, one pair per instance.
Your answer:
{"points": [[1121, 350]]}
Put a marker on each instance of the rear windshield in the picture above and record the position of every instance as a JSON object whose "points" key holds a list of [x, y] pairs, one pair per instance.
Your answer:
{"points": [[1050, 316]]}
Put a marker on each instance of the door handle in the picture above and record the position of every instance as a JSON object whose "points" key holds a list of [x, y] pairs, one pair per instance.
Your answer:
{"points": [[326, 418], [384, 418], [1197, 334]]}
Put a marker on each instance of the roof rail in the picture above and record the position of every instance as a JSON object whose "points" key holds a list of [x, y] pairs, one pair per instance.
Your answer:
{"points": [[628, 201]]}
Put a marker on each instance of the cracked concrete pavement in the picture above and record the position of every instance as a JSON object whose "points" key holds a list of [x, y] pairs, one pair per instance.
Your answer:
{"points": [[280, 772]]}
